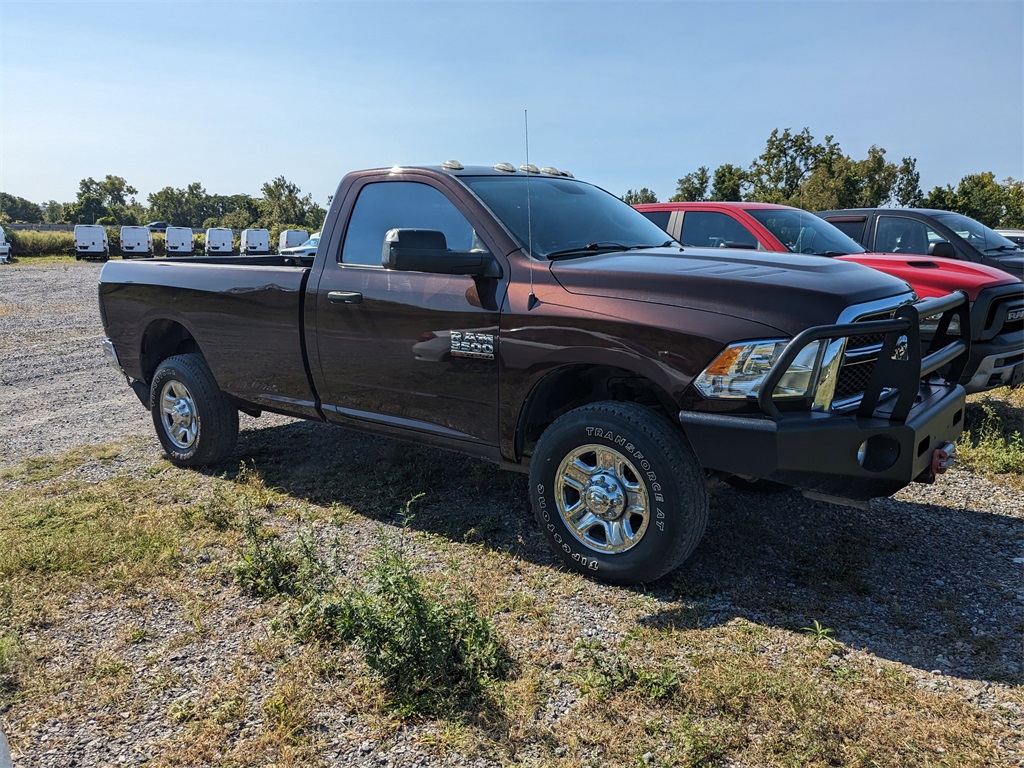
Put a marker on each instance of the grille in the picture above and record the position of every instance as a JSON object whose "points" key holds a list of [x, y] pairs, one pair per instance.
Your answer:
{"points": [[859, 358], [997, 315], [853, 379]]}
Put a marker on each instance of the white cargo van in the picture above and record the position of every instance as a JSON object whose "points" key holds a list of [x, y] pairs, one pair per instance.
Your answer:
{"points": [[136, 241], [179, 241], [254, 241], [219, 242], [91, 242], [291, 237], [5, 247]]}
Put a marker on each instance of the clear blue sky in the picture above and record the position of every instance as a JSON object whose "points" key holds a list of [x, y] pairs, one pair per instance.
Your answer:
{"points": [[626, 95]]}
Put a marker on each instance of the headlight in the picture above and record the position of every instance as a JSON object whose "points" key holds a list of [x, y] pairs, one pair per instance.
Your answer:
{"points": [[737, 373]]}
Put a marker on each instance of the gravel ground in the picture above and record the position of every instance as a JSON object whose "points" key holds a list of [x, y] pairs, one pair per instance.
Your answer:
{"points": [[930, 580]]}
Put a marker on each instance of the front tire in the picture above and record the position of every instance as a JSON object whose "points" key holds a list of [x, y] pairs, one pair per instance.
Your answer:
{"points": [[195, 422], [618, 492]]}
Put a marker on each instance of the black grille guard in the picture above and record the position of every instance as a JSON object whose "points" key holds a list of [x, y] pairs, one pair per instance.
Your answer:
{"points": [[901, 364]]}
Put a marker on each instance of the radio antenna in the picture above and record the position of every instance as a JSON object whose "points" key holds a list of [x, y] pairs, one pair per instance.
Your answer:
{"points": [[532, 301]]}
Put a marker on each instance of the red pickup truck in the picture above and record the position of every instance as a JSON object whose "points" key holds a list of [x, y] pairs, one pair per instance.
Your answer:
{"points": [[997, 297]]}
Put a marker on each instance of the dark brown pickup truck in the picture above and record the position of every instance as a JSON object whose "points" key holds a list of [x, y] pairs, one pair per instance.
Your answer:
{"points": [[539, 322]]}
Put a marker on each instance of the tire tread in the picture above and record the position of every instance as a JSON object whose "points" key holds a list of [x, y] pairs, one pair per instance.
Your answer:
{"points": [[218, 418], [672, 446]]}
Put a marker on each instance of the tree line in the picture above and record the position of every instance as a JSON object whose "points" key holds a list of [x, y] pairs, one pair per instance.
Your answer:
{"points": [[797, 170], [112, 202], [794, 169]]}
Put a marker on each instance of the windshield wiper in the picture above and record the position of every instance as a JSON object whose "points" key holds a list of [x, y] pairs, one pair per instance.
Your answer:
{"points": [[1004, 248], [604, 245], [666, 244], [834, 253]]}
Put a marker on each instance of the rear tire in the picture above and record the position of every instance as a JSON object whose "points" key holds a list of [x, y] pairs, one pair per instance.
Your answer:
{"points": [[195, 422], [618, 492]]}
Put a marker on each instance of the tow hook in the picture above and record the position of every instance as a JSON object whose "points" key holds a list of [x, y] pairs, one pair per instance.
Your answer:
{"points": [[943, 458]]}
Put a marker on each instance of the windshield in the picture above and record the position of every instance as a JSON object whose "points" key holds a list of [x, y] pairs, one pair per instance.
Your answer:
{"points": [[566, 216], [311, 243], [803, 232], [975, 233]]}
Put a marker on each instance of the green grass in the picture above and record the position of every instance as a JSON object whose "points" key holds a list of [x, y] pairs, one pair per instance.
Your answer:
{"points": [[376, 627], [993, 443]]}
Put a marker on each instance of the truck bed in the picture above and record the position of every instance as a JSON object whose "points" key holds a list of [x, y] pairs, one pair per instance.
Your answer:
{"points": [[246, 313]]}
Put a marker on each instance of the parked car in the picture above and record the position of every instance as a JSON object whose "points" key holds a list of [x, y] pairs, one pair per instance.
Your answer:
{"points": [[307, 248], [1013, 235], [6, 252], [997, 338], [619, 373], [136, 241], [254, 242], [179, 241], [928, 232], [219, 242], [290, 238], [91, 242], [157, 226]]}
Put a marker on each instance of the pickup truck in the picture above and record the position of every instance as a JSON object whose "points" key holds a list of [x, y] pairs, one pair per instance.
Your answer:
{"points": [[929, 232], [997, 298], [537, 321]]}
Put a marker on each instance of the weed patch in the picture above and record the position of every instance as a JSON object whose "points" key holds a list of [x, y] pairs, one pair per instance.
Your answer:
{"points": [[993, 444], [430, 653]]}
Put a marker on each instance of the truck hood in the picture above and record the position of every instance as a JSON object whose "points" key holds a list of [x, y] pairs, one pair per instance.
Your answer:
{"points": [[930, 277], [785, 291]]}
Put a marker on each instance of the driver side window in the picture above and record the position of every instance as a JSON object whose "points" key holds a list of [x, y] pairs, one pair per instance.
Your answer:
{"points": [[896, 234], [400, 204]]}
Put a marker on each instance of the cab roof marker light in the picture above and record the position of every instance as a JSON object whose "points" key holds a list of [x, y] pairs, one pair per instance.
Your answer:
{"points": [[530, 168], [566, 174], [550, 171], [452, 165], [506, 167]]}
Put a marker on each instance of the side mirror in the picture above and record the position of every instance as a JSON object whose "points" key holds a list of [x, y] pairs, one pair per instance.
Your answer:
{"points": [[942, 249], [426, 250]]}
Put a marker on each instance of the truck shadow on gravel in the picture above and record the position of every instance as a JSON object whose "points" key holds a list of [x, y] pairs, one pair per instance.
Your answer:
{"points": [[930, 586]]}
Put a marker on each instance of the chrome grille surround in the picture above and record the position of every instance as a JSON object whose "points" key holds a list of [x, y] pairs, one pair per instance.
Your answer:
{"points": [[853, 358]]}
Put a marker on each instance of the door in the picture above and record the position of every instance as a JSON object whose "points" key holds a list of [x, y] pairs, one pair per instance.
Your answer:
{"points": [[410, 350]]}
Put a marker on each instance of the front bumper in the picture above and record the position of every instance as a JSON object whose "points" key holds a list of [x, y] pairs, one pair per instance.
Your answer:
{"points": [[996, 369], [843, 455], [904, 416]]}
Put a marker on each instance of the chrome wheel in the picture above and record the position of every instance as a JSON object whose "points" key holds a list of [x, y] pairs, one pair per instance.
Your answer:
{"points": [[178, 415], [602, 499]]}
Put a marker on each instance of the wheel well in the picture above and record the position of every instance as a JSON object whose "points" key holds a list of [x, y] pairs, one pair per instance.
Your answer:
{"points": [[568, 388], [162, 339]]}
